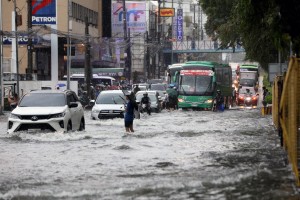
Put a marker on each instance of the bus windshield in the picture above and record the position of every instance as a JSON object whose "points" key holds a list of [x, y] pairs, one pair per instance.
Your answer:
{"points": [[196, 85]]}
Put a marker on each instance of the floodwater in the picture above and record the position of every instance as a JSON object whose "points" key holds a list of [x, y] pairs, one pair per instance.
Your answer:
{"points": [[235, 154]]}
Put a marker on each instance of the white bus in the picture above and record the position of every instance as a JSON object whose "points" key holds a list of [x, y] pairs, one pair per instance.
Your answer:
{"points": [[104, 80]]}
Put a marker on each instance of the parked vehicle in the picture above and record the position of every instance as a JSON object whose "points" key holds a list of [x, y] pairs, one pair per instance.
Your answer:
{"points": [[52, 110], [109, 104]]}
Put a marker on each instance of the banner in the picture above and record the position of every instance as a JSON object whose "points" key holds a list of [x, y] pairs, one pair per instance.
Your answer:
{"points": [[179, 24], [43, 12], [166, 12], [136, 18]]}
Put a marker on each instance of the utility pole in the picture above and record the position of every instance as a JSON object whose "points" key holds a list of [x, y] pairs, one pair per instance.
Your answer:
{"points": [[87, 65], [29, 46], [127, 43], [1, 56], [159, 35], [194, 29], [68, 47], [17, 46], [172, 36]]}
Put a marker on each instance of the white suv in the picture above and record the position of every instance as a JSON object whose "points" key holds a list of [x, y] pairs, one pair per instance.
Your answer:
{"points": [[47, 109], [109, 104]]}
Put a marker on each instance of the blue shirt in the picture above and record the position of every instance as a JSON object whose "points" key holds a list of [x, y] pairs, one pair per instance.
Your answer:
{"points": [[129, 112]]}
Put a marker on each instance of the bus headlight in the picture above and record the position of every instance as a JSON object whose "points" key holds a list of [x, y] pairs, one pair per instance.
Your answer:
{"points": [[180, 100], [208, 101]]}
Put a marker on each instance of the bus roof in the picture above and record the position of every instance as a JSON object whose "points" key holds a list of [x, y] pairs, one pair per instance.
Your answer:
{"points": [[176, 65], [94, 76], [201, 63], [249, 66]]}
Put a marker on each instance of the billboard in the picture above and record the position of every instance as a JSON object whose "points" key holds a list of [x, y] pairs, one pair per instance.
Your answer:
{"points": [[166, 12], [135, 17], [179, 24], [43, 12]]}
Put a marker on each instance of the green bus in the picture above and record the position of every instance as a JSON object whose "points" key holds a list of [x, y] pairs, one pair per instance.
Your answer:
{"points": [[248, 67], [199, 81], [173, 73]]}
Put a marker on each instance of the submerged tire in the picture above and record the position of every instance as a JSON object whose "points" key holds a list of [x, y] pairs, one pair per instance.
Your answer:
{"points": [[69, 126], [82, 125]]}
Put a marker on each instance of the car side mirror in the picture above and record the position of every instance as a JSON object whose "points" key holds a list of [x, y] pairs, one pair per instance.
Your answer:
{"points": [[73, 105]]}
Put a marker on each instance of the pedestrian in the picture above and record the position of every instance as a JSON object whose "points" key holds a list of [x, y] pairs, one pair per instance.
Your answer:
{"points": [[97, 91], [13, 100], [129, 114], [136, 89]]}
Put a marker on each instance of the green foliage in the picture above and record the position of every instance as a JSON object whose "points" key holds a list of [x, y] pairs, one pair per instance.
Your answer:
{"points": [[268, 99], [262, 27]]}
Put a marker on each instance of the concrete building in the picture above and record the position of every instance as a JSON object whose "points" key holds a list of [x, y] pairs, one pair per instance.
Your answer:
{"points": [[41, 69]]}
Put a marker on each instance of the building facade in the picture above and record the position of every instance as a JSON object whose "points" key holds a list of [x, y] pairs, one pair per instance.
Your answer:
{"points": [[72, 11]]}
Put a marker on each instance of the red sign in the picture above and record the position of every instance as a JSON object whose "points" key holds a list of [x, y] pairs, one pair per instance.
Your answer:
{"points": [[166, 12], [197, 72]]}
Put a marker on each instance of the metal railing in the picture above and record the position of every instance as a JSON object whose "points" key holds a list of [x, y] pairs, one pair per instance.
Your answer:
{"points": [[286, 115]]}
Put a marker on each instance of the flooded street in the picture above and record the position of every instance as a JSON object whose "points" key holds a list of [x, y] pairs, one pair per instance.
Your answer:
{"points": [[172, 155]]}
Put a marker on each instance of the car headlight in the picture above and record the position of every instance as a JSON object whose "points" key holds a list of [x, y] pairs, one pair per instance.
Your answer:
{"points": [[209, 101], [58, 115], [97, 111], [13, 116]]}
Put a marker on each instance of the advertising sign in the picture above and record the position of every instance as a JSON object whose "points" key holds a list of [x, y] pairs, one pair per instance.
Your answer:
{"points": [[179, 24], [43, 12], [166, 12], [22, 40], [135, 17]]}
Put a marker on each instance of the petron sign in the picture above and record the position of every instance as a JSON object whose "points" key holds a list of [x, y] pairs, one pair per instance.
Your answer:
{"points": [[166, 12], [179, 24], [22, 40], [43, 12]]}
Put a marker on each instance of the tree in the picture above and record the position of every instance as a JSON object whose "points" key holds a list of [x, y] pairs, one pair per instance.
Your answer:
{"points": [[262, 27]]}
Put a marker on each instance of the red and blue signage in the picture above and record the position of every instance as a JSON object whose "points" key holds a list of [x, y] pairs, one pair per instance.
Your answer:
{"points": [[43, 12]]}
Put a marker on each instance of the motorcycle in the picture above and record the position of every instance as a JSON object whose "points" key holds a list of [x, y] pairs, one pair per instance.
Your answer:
{"points": [[145, 108], [217, 107], [248, 100]]}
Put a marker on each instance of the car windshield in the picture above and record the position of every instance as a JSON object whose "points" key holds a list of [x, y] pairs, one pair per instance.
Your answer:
{"points": [[43, 100], [159, 87], [244, 90], [141, 95], [247, 82], [111, 98], [152, 97]]}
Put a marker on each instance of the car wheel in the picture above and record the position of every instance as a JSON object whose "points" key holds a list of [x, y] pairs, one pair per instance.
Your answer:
{"points": [[82, 125], [69, 126]]}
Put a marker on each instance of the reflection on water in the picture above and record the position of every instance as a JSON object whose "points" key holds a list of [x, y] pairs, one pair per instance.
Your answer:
{"points": [[172, 155]]}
